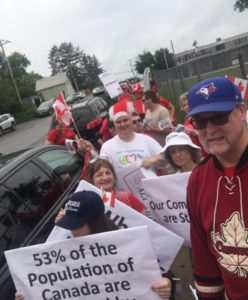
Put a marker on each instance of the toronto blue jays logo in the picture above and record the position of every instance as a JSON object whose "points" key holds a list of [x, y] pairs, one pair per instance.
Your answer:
{"points": [[207, 90]]}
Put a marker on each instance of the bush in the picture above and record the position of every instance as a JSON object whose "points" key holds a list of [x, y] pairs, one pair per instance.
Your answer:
{"points": [[25, 114]]}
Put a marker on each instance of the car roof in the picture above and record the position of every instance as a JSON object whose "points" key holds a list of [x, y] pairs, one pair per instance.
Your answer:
{"points": [[21, 156]]}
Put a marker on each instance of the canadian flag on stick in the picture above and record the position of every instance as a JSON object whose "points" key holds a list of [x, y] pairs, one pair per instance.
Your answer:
{"points": [[242, 84], [62, 110]]}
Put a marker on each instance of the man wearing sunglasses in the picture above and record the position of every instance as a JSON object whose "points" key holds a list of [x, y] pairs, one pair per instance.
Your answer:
{"points": [[217, 194]]}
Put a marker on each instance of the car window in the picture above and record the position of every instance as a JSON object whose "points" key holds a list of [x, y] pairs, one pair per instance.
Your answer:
{"points": [[25, 198], [63, 163], [4, 118], [28, 194]]}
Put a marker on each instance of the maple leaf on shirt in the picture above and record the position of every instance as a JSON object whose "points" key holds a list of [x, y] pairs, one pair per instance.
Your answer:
{"points": [[231, 244]]}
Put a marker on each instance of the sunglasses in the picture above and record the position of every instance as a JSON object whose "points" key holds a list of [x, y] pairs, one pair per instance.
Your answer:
{"points": [[137, 121], [217, 120]]}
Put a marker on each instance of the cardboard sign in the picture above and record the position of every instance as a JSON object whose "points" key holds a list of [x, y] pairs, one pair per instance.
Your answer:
{"points": [[105, 266], [111, 84], [167, 202]]}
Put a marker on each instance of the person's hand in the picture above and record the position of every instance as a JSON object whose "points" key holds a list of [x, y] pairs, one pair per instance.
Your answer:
{"points": [[146, 163], [162, 288], [84, 145], [60, 215], [19, 296]]}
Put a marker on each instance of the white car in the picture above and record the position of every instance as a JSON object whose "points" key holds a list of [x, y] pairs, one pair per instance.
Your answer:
{"points": [[7, 122]]}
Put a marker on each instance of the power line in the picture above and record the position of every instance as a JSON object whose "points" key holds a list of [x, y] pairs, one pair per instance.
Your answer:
{"points": [[2, 43]]}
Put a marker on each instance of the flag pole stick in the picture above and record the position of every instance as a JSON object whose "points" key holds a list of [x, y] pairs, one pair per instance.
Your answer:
{"points": [[75, 126]]}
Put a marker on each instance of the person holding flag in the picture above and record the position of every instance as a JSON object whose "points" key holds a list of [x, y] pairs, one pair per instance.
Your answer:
{"points": [[61, 132]]}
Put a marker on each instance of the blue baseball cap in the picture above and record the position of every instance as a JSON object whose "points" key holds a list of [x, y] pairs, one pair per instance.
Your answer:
{"points": [[213, 95], [82, 207]]}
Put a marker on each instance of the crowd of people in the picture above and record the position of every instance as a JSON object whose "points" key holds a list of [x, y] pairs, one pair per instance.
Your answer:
{"points": [[212, 146]]}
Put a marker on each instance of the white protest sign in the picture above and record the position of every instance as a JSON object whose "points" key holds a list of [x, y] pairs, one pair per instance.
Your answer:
{"points": [[166, 244], [106, 266], [130, 180], [168, 202], [111, 84]]}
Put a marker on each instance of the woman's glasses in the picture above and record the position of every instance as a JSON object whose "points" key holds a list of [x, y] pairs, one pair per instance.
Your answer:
{"points": [[217, 119]]}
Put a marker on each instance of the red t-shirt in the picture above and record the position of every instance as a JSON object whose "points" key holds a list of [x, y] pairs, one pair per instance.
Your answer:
{"points": [[58, 137], [139, 106], [124, 97]]}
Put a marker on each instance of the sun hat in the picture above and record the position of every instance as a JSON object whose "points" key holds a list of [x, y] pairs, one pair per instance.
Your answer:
{"points": [[178, 139], [121, 109], [82, 207], [213, 95]]}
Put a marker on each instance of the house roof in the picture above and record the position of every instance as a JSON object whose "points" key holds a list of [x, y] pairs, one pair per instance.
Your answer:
{"points": [[52, 81]]}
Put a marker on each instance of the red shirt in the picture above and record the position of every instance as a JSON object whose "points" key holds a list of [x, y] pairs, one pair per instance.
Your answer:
{"points": [[104, 130], [58, 137], [218, 210], [124, 97], [139, 106]]}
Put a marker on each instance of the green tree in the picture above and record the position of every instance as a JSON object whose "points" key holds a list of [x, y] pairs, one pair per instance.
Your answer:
{"points": [[241, 5], [81, 69], [145, 59], [161, 56], [25, 82]]}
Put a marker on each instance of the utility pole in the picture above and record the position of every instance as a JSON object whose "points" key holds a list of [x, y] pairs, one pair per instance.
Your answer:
{"points": [[165, 59], [2, 43], [130, 62]]}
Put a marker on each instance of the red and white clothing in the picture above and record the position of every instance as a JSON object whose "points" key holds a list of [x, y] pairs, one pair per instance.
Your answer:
{"points": [[218, 208], [58, 137], [130, 200]]}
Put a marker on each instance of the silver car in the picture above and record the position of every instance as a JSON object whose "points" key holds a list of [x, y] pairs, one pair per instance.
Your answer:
{"points": [[7, 122]]}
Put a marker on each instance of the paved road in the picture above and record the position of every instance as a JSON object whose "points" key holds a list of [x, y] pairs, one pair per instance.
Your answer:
{"points": [[29, 134]]}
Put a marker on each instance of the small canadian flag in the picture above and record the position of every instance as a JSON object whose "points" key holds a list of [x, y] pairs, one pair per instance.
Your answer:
{"points": [[242, 84], [108, 198], [62, 110]]}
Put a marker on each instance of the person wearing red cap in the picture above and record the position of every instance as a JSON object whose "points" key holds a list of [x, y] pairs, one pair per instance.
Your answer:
{"points": [[129, 147]]}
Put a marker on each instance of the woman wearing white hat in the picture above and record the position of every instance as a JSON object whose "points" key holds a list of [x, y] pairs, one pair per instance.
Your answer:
{"points": [[181, 152]]}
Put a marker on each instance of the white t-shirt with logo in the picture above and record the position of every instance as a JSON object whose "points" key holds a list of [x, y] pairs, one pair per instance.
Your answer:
{"points": [[121, 154]]}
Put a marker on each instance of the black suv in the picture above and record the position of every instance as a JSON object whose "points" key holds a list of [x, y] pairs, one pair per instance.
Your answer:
{"points": [[34, 185]]}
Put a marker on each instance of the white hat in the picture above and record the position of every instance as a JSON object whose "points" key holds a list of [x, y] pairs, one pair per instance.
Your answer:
{"points": [[178, 139]]}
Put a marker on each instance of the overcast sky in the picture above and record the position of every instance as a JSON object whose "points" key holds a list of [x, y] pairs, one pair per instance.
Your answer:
{"points": [[115, 31]]}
